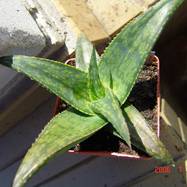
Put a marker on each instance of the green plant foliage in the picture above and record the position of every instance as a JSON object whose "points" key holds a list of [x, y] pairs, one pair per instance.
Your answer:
{"points": [[109, 108], [83, 53], [143, 137], [69, 83], [98, 89], [61, 133], [125, 56]]}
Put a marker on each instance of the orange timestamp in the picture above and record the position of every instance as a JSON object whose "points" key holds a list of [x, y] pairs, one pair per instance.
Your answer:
{"points": [[168, 169]]}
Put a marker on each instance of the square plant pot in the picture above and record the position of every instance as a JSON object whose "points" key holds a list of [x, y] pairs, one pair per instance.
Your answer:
{"points": [[151, 62]]}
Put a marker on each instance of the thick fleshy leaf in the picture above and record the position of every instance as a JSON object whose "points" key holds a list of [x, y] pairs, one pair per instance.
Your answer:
{"points": [[109, 108], [107, 104], [68, 83], [48, 144], [71, 127], [123, 59], [143, 137], [63, 132], [96, 88], [83, 53]]}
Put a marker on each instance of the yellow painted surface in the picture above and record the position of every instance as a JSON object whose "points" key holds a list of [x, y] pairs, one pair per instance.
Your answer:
{"points": [[81, 18], [114, 14], [145, 3], [100, 18]]}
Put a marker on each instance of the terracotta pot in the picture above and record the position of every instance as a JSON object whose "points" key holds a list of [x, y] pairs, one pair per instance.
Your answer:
{"points": [[58, 102]]}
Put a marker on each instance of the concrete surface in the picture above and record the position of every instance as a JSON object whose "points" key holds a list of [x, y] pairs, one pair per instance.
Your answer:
{"points": [[6, 74], [60, 38], [19, 34], [50, 23]]}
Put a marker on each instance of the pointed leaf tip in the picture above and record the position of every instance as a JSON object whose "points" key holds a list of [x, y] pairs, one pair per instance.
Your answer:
{"points": [[126, 54], [6, 61], [63, 132], [69, 83], [26, 172], [144, 137], [83, 52], [96, 88]]}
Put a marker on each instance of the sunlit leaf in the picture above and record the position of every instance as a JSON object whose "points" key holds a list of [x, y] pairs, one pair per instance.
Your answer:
{"points": [[63, 132], [68, 83], [83, 53], [143, 136], [125, 56], [71, 127], [109, 108], [118, 71], [96, 88]]}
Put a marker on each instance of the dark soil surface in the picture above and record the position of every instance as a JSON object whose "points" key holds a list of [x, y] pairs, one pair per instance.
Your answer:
{"points": [[143, 97]]}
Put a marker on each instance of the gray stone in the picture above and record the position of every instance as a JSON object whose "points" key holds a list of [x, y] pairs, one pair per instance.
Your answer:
{"points": [[49, 20], [19, 33]]}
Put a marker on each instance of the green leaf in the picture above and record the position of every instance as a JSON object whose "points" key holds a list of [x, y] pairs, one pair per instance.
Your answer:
{"points": [[83, 53], [87, 59], [107, 104], [125, 56], [143, 137], [63, 132], [109, 108], [96, 88], [53, 140], [71, 127], [101, 106], [70, 84]]}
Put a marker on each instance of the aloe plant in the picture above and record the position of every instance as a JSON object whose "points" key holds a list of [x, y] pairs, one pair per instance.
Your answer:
{"points": [[97, 90]]}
